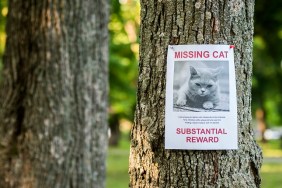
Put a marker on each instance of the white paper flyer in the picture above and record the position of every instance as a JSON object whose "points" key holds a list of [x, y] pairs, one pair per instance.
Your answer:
{"points": [[201, 106]]}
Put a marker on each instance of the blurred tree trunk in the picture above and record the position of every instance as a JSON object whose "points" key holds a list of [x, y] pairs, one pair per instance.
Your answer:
{"points": [[191, 22], [53, 97], [114, 128], [261, 123]]}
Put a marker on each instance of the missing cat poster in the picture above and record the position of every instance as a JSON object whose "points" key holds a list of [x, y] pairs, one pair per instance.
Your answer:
{"points": [[201, 106]]}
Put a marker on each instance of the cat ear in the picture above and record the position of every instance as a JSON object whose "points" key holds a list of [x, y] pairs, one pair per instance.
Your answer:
{"points": [[217, 71], [193, 71]]}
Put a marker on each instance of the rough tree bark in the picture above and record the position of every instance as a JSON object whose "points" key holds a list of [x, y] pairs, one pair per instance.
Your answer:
{"points": [[191, 22], [53, 117]]}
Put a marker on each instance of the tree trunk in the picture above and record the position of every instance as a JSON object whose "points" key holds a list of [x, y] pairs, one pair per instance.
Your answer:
{"points": [[261, 123], [53, 118], [191, 22]]}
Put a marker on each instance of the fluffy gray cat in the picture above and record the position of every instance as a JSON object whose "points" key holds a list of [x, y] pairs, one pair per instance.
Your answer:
{"points": [[201, 90]]}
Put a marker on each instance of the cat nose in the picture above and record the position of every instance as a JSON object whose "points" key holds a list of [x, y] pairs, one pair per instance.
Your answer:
{"points": [[203, 90]]}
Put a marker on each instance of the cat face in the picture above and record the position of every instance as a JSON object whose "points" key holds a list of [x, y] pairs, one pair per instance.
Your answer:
{"points": [[203, 81]]}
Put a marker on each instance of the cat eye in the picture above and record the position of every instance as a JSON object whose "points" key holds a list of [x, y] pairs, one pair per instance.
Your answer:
{"points": [[197, 84], [209, 86]]}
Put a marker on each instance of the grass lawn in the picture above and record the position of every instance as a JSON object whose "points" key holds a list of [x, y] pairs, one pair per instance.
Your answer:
{"points": [[117, 168], [117, 165], [273, 148], [271, 172], [271, 175]]}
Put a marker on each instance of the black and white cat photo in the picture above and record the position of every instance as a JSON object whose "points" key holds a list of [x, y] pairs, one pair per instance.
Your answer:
{"points": [[199, 84]]}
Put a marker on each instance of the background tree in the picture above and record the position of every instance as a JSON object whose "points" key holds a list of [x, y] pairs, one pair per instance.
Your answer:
{"points": [[267, 87], [124, 21], [53, 97], [191, 22]]}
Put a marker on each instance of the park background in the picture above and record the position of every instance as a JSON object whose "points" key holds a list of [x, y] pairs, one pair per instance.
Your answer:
{"points": [[266, 85]]}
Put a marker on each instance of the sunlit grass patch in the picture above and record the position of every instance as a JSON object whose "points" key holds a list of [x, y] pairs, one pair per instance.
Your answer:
{"points": [[272, 148], [271, 175], [272, 168]]}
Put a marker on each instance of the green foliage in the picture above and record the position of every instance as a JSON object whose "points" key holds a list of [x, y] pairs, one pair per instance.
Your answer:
{"points": [[267, 67], [3, 14], [123, 57]]}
